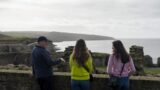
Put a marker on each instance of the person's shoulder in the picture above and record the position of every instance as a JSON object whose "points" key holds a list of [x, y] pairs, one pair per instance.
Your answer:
{"points": [[130, 58], [90, 58], [41, 50], [112, 58], [111, 55], [35, 49], [71, 56]]}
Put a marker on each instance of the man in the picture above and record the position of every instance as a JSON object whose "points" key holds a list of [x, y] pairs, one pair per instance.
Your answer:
{"points": [[42, 64]]}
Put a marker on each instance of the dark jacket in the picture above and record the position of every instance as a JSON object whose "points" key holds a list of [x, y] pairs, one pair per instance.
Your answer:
{"points": [[42, 62]]}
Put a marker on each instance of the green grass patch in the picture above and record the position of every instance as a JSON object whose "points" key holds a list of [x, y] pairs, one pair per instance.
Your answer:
{"points": [[152, 70]]}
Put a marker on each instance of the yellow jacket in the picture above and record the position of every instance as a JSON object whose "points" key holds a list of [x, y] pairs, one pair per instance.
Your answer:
{"points": [[78, 72]]}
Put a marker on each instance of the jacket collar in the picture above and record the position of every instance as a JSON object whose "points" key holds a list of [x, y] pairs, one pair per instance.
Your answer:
{"points": [[39, 46]]}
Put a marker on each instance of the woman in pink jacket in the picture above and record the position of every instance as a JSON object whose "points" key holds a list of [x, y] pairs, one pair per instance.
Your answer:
{"points": [[120, 66]]}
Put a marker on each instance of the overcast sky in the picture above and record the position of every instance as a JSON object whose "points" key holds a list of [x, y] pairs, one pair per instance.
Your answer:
{"points": [[116, 18]]}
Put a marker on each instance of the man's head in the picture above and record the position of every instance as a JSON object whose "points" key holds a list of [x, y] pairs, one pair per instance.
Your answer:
{"points": [[42, 41]]}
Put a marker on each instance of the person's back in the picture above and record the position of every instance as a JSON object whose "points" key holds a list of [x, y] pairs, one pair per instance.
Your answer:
{"points": [[40, 65], [79, 72], [81, 67]]}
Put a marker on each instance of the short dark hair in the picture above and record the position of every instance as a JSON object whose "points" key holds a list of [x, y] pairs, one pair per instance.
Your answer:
{"points": [[42, 38]]}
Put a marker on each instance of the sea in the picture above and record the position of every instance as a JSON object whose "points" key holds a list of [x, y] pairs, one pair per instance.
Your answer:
{"points": [[151, 46]]}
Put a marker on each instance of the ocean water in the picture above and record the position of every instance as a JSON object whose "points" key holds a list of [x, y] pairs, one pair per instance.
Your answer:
{"points": [[151, 46]]}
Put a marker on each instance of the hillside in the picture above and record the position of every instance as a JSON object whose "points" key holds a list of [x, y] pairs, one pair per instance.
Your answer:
{"points": [[2, 36], [57, 36]]}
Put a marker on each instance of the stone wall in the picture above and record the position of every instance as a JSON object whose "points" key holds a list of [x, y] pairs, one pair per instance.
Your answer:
{"points": [[23, 81], [148, 61], [15, 58], [138, 57], [12, 48], [158, 62], [99, 59], [19, 51]]}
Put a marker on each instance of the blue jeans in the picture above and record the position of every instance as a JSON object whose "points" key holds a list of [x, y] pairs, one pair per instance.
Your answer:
{"points": [[80, 85], [123, 84]]}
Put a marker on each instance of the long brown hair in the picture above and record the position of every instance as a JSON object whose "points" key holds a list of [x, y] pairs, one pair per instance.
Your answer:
{"points": [[80, 53], [120, 51]]}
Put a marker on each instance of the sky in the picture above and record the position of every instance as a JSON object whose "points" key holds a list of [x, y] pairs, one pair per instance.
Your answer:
{"points": [[115, 18]]}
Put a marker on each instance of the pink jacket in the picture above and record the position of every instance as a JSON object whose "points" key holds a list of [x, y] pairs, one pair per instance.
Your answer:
{"points": [[115, 66]]}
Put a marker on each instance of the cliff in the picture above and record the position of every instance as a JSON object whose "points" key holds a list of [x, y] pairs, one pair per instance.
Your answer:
{"points": [[57, 36]]}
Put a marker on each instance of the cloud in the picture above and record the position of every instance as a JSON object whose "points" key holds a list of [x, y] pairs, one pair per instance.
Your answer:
{"points": [[117, 18]]}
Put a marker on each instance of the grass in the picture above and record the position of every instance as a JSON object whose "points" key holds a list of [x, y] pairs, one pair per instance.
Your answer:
{"points": [[101, 68], [13, 67], [152, 70]]}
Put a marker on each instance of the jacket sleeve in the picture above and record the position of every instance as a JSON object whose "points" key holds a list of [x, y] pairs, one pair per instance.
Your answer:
{"points": [[46, 56], [110, 65], [90, 64], [32, 63], [71, 60], [132, 67], [33, 71]]}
